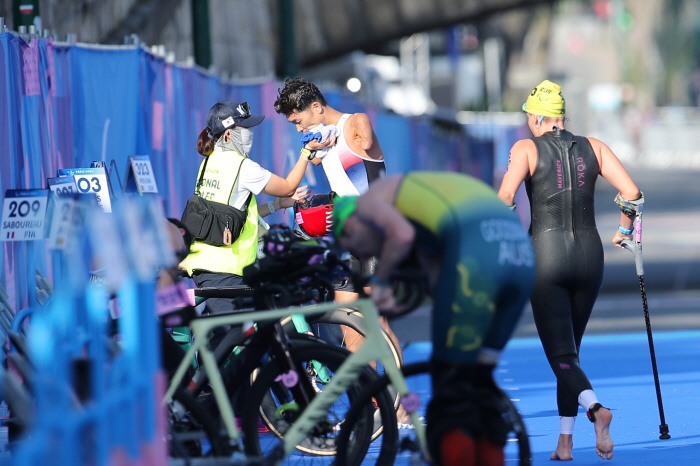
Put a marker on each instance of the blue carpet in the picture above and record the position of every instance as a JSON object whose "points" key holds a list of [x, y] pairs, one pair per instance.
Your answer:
{"points": [[619, 368]]}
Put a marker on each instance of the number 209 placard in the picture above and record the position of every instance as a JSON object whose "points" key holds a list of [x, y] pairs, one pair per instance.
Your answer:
{"points": [[23, 213]]}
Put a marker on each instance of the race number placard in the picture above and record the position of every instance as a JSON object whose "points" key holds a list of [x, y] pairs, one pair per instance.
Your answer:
{"points": [[91, 181], [67, 219], [23, 213], [62, 185], [139, 175], [171, 298]]}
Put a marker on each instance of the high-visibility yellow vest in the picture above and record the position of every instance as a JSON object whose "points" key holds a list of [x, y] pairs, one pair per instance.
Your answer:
{"points": [[219, 178]]}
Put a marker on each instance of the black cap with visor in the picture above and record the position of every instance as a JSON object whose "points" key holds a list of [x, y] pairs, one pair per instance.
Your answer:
{"points": [[228, 113]]}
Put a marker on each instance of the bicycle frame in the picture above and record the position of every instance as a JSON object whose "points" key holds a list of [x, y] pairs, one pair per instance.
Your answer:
{"points": [[374, 348]]}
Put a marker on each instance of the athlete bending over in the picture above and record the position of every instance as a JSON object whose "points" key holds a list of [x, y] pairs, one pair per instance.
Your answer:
{"points": [[480, 265]]}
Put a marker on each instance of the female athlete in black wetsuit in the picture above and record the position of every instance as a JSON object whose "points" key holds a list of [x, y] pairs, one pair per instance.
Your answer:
{"points": [[560, 171]]}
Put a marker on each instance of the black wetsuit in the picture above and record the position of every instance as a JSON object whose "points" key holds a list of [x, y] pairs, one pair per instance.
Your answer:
{"points": [[568, 252]]}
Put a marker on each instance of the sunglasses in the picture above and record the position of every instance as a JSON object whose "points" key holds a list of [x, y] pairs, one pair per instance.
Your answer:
{"points": [[243, 110]]}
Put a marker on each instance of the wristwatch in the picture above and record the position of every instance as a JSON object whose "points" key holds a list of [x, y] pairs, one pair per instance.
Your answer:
{"points": [[309, 154]]}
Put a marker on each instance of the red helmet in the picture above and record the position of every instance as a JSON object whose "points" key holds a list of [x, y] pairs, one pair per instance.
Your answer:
{"points": [[315, 218]]}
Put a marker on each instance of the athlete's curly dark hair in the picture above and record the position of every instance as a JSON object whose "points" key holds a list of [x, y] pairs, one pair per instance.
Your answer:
{"points": [[297, 95]]}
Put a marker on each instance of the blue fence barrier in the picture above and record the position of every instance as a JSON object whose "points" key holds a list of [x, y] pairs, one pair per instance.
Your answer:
{"points": [[96, 405], [66, 105]]}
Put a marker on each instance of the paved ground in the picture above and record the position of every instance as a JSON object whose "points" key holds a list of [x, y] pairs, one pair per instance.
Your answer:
{"points": [[620, 371], [612, 313]]}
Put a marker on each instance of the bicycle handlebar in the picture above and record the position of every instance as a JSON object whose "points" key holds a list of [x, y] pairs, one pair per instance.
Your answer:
{"points": [[224, 291], [294, 271]]}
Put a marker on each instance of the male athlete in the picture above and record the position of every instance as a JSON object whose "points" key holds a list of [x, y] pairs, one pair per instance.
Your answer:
{"points": [[351, 158]]}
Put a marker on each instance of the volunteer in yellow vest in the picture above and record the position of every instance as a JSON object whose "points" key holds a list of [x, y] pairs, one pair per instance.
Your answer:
{"points": [[230, 177]]}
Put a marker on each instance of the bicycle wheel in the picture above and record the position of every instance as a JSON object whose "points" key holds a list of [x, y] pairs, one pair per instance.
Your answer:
{"points": [[518, 434], [328, 327], [385, 451], [193, 432], [343, 316], [271, 400]]}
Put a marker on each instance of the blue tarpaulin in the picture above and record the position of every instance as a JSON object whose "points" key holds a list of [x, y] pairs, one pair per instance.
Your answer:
{"points": [[65, 106]]}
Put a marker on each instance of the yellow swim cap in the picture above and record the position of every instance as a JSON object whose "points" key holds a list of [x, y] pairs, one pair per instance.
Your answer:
{"points": [[546, 100]]}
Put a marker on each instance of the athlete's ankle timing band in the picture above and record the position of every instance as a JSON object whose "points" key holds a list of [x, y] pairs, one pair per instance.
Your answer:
{"points": [[594, 409]]}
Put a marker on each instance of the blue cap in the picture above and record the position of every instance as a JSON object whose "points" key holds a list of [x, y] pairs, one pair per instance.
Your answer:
{"points": [[229, 113]]}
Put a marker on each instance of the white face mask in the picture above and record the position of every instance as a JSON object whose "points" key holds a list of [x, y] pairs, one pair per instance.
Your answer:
{"points": [[246, 139]]}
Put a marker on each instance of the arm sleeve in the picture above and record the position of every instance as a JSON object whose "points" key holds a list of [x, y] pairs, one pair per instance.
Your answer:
{"points": [[253, 177]]}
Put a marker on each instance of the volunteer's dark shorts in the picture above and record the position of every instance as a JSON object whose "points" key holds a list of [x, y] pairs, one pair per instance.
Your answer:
{"points": [[204, 279]]}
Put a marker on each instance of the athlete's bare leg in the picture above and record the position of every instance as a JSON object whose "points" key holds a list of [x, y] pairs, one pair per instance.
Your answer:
{"points": [[564, 447], [354, 340]]}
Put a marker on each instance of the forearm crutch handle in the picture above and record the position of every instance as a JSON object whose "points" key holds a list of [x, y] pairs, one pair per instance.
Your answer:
{"points": [[635, 247]]}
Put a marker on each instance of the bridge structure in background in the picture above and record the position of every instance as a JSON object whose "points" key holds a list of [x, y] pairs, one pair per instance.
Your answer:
{"points": [[250, 39], [326, 29]]}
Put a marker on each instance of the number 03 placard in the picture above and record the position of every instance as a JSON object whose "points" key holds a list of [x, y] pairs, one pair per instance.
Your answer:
{"points": [[91, 181]]}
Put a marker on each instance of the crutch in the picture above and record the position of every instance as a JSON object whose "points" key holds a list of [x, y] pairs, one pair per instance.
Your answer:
{"points": [[636, 248]]}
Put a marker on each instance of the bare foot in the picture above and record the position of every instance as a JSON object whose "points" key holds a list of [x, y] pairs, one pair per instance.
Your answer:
{"points": [[402, 416], [564, 446], [603, 441]]}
